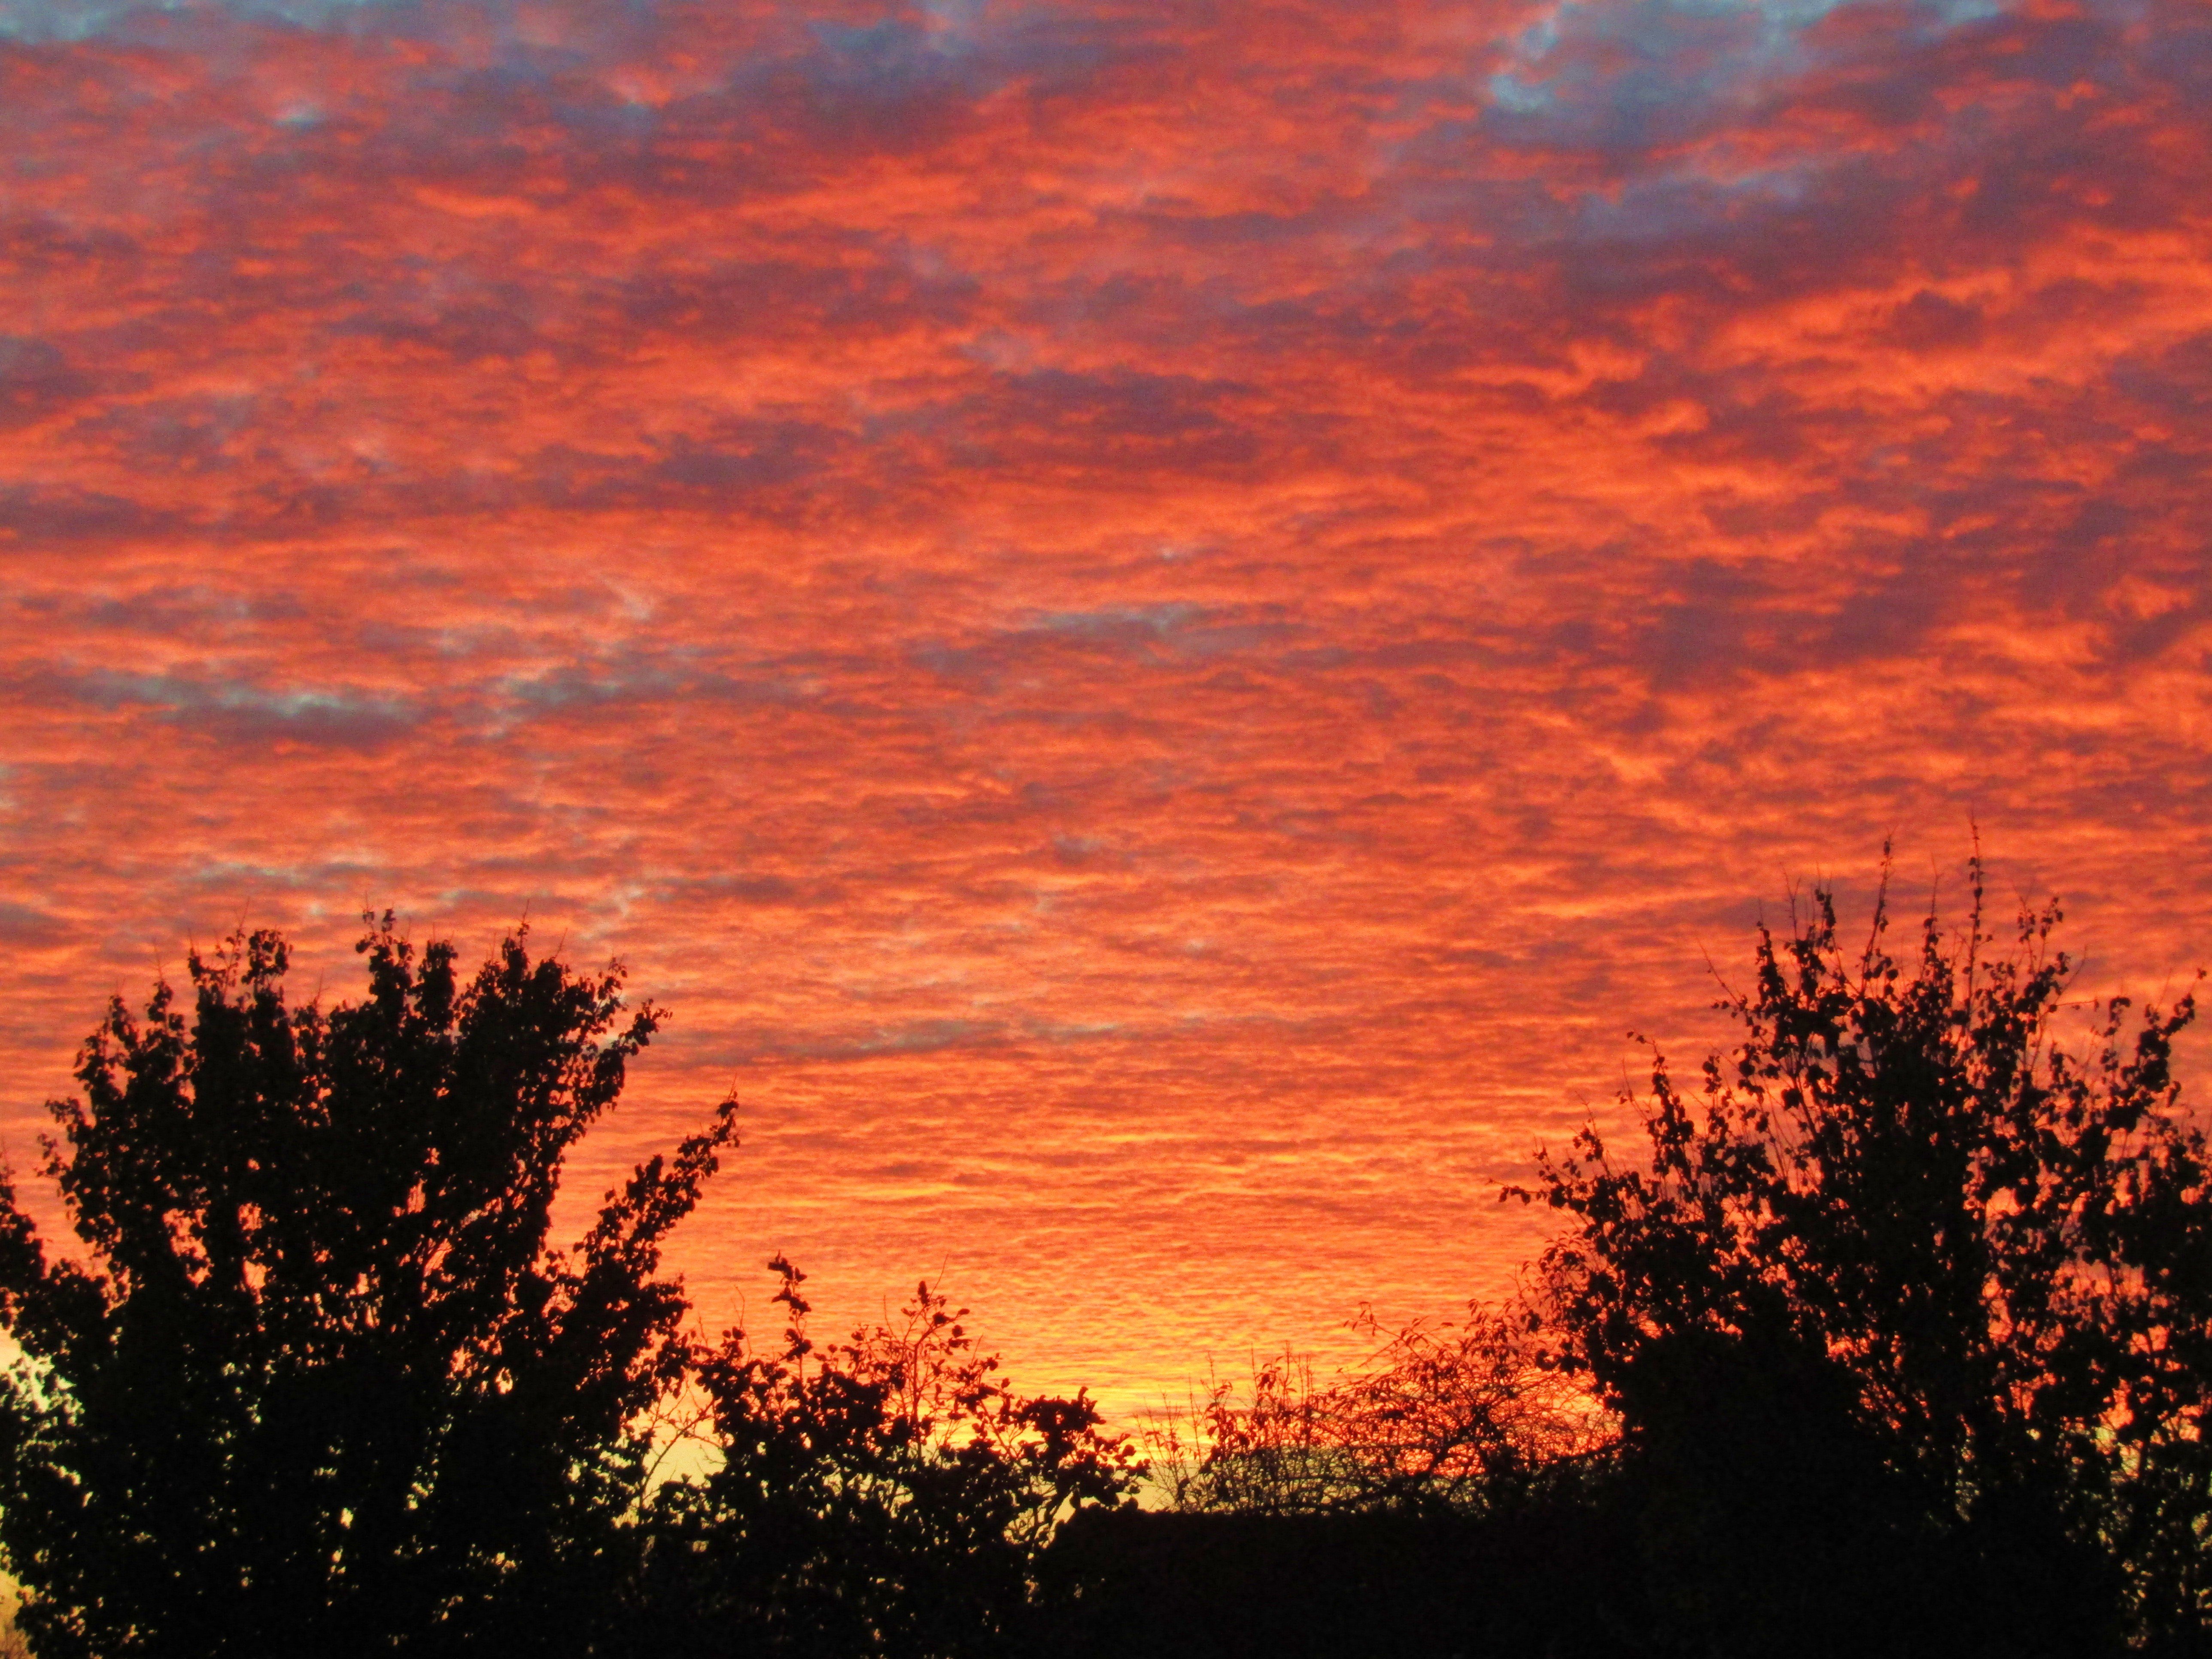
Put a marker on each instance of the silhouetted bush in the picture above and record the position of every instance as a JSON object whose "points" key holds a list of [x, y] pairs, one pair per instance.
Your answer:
{"points": [[888, 1496]]}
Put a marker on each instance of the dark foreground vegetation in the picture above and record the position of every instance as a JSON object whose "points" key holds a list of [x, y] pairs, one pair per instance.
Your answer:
{"points": [[1896, 1340]]}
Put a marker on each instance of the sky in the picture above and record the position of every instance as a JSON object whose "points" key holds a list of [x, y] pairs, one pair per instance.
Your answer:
{"points": [[1158, 624]]}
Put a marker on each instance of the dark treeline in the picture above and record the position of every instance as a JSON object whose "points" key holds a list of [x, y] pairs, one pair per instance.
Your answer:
{"points": [[1896, 1339]]}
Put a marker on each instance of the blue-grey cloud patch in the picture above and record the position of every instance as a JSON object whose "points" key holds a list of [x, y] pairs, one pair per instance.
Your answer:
{"points": [[758, 467], [27, 925], [1652, 199], [629, 680], [202, 433], [37, 520], [77, 20], [1620, 81], [36, 380], [852, 282], [2174, 384], [457, 316], [1929, 321], [232, 711], [914, 1037], [1624, 78], [1175, 636], [771, 455], [757, 891], [1113, 420], [169, 611]]}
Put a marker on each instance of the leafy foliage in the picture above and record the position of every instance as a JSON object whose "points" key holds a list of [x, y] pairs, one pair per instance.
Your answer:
{"points": [[889, 1495], [1458, 1415], [321, 1385], [1909, 1262]]}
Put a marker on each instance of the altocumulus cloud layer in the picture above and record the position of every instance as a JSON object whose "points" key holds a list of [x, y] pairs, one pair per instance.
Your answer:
{"points": [[1157, 623]]}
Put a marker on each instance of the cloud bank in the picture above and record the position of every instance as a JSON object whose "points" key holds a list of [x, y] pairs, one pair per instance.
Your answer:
{"points": [[1157, 623]]}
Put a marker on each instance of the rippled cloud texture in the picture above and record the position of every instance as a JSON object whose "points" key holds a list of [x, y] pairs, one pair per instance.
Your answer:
{"points": [[1157, 623]]}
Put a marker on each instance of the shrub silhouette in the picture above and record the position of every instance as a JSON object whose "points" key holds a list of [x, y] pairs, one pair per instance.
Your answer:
{"points": [[1462, 1415], [1451, 1494], [890, 1495], [1908, 1319], [321, 1385]]}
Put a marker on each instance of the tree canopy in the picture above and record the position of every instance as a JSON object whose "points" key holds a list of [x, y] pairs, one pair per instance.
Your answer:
{"points": [[319, 1382], [1913, 1291]]}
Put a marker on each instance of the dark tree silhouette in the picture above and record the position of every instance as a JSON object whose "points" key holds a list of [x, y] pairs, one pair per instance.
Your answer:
{"points": [[1910, 1318], [888, 1496], [321, 1386]]}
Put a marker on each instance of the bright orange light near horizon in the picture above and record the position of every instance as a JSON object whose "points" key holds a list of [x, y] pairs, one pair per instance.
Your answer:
{"points": [[1157, 630]]}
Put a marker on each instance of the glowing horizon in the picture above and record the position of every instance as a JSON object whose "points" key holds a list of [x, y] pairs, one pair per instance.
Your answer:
{"points": [[1156, 626]]}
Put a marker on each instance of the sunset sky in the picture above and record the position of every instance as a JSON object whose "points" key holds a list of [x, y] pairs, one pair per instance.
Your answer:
{"points": [[1157, 623]]}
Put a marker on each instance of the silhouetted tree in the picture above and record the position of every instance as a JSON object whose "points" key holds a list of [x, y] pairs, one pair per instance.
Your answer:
{"points": [[321, 1386], [1909, 1321], [888, 1496]]}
